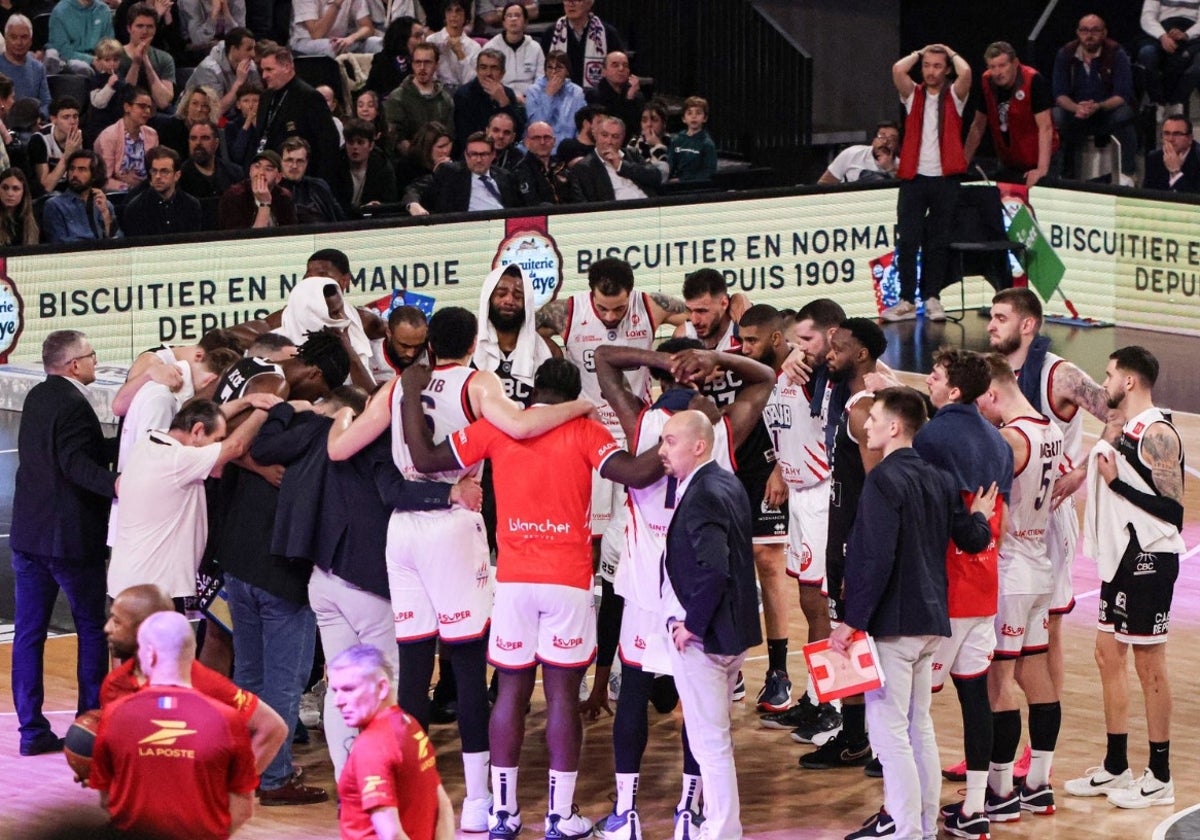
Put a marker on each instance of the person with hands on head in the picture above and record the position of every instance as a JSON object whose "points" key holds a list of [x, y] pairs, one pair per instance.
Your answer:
{"points": [[895, 590]]}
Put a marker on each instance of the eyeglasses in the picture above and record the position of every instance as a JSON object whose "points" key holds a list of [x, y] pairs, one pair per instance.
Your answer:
{"points": [[1090, 30], [1176, 133], [488, 153], [91, 356]]}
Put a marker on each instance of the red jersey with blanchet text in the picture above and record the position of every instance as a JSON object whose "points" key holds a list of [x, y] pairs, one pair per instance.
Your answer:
{"points": [[543, 497]]}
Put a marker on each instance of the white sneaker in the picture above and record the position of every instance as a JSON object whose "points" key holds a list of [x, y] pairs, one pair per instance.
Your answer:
{"points": [[573, 827], [475, 814], [902, 311], [1148, 791], [624, 826], [1097, 782], [688, 825], [934, 311], [1126, 180]]}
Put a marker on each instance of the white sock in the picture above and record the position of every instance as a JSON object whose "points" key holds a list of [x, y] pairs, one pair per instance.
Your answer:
{"points": [[690, 798], [810, 689], [1000, 778], [504, 789], [627, 784], [562, 792], [977, 782], [1039, 768], [475, 771]]}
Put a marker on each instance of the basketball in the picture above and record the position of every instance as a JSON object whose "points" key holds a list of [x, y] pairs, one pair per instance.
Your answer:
{"points": [[77, 746]]}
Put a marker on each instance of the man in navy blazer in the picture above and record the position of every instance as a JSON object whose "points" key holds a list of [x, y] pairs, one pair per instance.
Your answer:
{"points": [[711, 606], [1176, 165], [472, 184], [64, 489]]}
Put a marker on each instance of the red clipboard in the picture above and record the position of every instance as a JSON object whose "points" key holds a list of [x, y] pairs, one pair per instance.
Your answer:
{"points": [[836, 675]]}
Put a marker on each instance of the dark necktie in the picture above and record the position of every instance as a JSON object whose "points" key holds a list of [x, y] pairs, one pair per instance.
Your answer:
{"points": [[491, 187]]}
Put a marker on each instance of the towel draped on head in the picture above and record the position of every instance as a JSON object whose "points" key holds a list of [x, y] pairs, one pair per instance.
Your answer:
{"points": [[307, 312], [531, 349]]}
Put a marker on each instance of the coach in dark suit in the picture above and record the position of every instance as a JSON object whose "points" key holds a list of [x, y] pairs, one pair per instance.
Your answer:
{"points": [[711, 605], [64, 489], [590, 179], [472, 185], [1176, 165]]}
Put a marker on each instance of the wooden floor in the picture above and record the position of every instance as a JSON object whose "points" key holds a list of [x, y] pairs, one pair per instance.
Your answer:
{"points": [[779, 800]]}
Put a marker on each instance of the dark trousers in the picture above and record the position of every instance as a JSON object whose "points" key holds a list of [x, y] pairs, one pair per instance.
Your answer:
{"points": [[1170, 77], [924, 221], [37, 580], [1118, 123]]}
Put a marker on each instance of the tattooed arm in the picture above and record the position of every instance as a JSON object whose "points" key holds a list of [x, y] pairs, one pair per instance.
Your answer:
{"points": [[1070, 390], [665, 309], [552, 318], [1161, 450]]}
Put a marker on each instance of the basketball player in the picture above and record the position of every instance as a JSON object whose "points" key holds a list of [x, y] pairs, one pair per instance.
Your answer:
{"points": [[1022, 617], [438, 561], [544, 610], [644, 540], [508, 342], [1137, 500]]}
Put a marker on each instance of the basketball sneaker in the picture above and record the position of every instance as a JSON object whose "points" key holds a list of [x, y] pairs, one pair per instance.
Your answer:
{"points": [[623, 826], [1098, 782], [801, 713], [879, 824], [776, 693], [1148, 791], [475, 814], [573, 827], [1039, 801], [955, 772], [975, 826], [503, 825], [687, 824], [822, 727], [739, 688], [1003, 808], [873, 768], [837, 752]]}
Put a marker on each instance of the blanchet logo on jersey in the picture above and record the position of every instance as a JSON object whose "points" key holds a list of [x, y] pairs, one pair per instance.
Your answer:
{"points": [[159, 743], [568, 644], [529, 245], [453, 618], [12, 312], [546, 528]]}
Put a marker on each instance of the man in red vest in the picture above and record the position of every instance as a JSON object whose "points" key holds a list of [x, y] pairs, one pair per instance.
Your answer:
{"points": [[1018, 105], [931, 161]]}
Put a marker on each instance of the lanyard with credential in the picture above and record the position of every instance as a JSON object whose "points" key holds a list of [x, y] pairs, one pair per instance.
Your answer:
{"points": [[272, 113]]}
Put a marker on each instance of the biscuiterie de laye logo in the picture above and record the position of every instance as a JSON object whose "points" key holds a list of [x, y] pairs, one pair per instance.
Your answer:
{"points": [[12, 313], [528, 243]]}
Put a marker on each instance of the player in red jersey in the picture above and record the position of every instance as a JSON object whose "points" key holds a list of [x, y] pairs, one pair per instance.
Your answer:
{"points": [[544, 611], [390, 787]]}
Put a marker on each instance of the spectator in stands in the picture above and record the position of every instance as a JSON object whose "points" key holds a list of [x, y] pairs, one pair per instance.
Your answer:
{"points": [[333, 27], [392, 64], [1175, 166], [875, 161], [1093, 95], [432, 146], [490, 13], [292, 107], [227, 68], [8, 98], [610, 173], [205, 173], [652, 142], [335, 108], [366, 107], [483, 96], [241, 130], [371, 177], [472, 185], [81, 212], [458, 51], [144, 65], [123, 145], [259, 201], [693, 155], [555, 99], [386, 12], [76, 27], [417, 101], [168, 34], [313, 199], [28, 74], [1016, 107], [619, 91], [573, 149], [585, 39], [198, 105], [1169, 53], [105, 89], [541, 178], [49, 147], [208, 24], [17, 223], [524, 61], [503, 132], [164, 208]]}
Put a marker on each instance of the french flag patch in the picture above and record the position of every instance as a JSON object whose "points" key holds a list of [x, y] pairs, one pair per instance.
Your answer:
{"points": [[167, 702]]}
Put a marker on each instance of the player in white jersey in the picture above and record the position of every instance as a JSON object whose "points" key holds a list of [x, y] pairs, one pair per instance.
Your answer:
{"points": [[1023, 612], [438, 570], [643, 638]]}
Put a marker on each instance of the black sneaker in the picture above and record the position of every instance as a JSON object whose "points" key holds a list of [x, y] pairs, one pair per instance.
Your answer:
{"points": [[839, 752], [1003, 808], [874, 768], [803, 714], [1039, 801], [974, 827], [879, 824], [776, 693], [826, 720], [739, 689]]}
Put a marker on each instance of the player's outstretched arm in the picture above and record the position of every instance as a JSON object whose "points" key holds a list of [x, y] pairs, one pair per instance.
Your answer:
{"points": [[611, 360], [487, 392], [637, 472], [349, 434]]}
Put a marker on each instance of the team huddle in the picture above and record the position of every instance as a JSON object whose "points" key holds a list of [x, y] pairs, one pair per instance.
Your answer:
{"points": [[329, 473]]}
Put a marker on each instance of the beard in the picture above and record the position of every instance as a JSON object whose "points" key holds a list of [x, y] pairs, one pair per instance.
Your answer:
{"points": [[1005, 346], [201, 157], [838, 374], [1114, 400], [768, 357], [506, 322]]}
